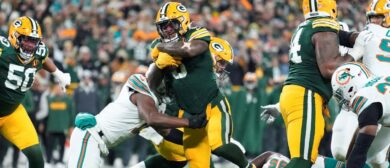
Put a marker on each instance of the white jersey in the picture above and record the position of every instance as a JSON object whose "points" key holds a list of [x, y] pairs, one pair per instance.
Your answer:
{"points": [[376, 92], [377, 53], [120, 117]]}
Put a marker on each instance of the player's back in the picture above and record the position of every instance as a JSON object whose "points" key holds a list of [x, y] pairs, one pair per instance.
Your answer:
{"points": [[375, 91], [304, 70], [377, 54], [121, 116]]}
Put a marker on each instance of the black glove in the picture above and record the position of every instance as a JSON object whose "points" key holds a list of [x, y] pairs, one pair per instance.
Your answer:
{"points": [[197, 121]]}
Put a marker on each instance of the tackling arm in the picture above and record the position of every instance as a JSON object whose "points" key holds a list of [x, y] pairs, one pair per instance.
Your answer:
{"points": [[327, 53], [154, 76], [150, 114], [184, 49]]}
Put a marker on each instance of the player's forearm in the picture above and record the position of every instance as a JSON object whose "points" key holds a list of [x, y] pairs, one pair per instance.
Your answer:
{"points": [[359, 153], [49, 65], [163, 121], [154, 77], [184, 49]]}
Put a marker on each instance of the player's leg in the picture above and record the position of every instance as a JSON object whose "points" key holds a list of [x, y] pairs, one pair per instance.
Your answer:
{"points": [[19, 130], [376, 155], [344, 129], [220, 131], [84, 150], [326, 162], [196, 147], [302, 113]]}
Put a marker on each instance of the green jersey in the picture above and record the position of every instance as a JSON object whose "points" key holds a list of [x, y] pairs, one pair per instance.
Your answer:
{"points": [[193, 83], [304, 69], [16, 76]]}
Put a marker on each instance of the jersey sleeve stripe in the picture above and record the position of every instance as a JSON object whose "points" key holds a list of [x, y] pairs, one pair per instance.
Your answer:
{"points": [[199, 34], [138, 87], [364, 100]]}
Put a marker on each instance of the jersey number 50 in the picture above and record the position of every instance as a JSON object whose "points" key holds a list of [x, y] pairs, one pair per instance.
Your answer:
{"points": [[15, 77]]}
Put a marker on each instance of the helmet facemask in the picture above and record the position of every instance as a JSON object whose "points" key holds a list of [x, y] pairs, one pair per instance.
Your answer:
{"points": [[169, 29], [27, 46]]}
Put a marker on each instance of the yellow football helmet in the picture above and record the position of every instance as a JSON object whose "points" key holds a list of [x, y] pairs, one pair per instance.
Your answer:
{"points": [[172, 20], [222, 53], [25, 35], [319, 8], [379, 8]]}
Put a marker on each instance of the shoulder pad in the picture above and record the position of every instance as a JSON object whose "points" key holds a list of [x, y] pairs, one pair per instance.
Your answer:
{"points": [[138, 83], [198, 33], [42, 51], [326, 23], [154, 43]]}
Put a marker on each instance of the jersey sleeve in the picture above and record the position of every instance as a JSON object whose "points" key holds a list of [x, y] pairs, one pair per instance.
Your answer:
{"points": [[138, 83], [42, 52], [154, 43], [363, 99], [199, 34], [325, 25]]}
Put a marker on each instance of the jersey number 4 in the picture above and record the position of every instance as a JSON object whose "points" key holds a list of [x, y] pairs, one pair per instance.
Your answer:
{"points": [[295, 48], [16, 79]]}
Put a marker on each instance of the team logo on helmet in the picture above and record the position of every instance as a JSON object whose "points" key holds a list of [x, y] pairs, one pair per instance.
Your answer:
{"points": [[343, 77], [181, 8], [218, 47], [18, 23]]}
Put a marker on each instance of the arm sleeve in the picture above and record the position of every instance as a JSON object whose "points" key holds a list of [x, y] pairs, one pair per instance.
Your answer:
{"points": [[344, 37], [370, 115]]}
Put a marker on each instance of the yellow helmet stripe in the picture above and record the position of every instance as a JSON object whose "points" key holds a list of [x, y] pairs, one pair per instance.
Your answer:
{"points": [[33, 25], [164, 10]]}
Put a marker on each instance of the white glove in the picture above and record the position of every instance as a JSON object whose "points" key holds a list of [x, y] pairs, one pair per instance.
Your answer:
{"points": [[270, 112], [62, 78], [150, 134], [358, 48]]}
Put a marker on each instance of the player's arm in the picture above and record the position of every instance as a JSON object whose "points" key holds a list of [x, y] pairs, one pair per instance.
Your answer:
{"points": [[347, 39], [150, 114], [368, 125], [63, 78], [154, 76], [327, 53], [259, 161], [184, 49]]}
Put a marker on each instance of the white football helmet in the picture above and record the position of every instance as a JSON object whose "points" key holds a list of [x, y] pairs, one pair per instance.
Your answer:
{"points": [[276, 160], [348, 79]]}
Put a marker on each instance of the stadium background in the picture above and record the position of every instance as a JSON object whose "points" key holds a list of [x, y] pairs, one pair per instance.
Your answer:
{"points": [[101, 42]]}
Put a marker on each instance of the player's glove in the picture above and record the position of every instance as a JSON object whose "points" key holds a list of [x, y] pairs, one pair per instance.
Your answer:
{"points": [[358, 48], [154, 53], [165, 60], [62, 78], [84, 121], [197, 121], [270, 112]]}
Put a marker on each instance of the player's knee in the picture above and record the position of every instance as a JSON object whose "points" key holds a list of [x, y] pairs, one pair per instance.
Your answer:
{"points": [[34, 156]]}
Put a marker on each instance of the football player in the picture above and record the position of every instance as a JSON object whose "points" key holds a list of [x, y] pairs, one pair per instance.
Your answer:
{"points": [[192, 83], [367, 96], [22, 54], [171, 151], [135, 108], [314, 55], [346, 123]]}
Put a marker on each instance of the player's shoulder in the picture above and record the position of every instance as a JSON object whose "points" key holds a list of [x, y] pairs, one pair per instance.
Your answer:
{"points": [[200, 33], [366, 96], [42, 51], [155, 42], [325, 24], [4, 43], [138, 83]]}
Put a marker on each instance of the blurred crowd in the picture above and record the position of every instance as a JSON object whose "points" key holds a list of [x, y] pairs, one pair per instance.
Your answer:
{"points": [[101, 42]]}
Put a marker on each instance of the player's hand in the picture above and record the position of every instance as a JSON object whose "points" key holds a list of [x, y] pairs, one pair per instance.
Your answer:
{"points": [[165, 60], [197, 121], [270, 112], [154, 53], [62, 78], [358, 48]]}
